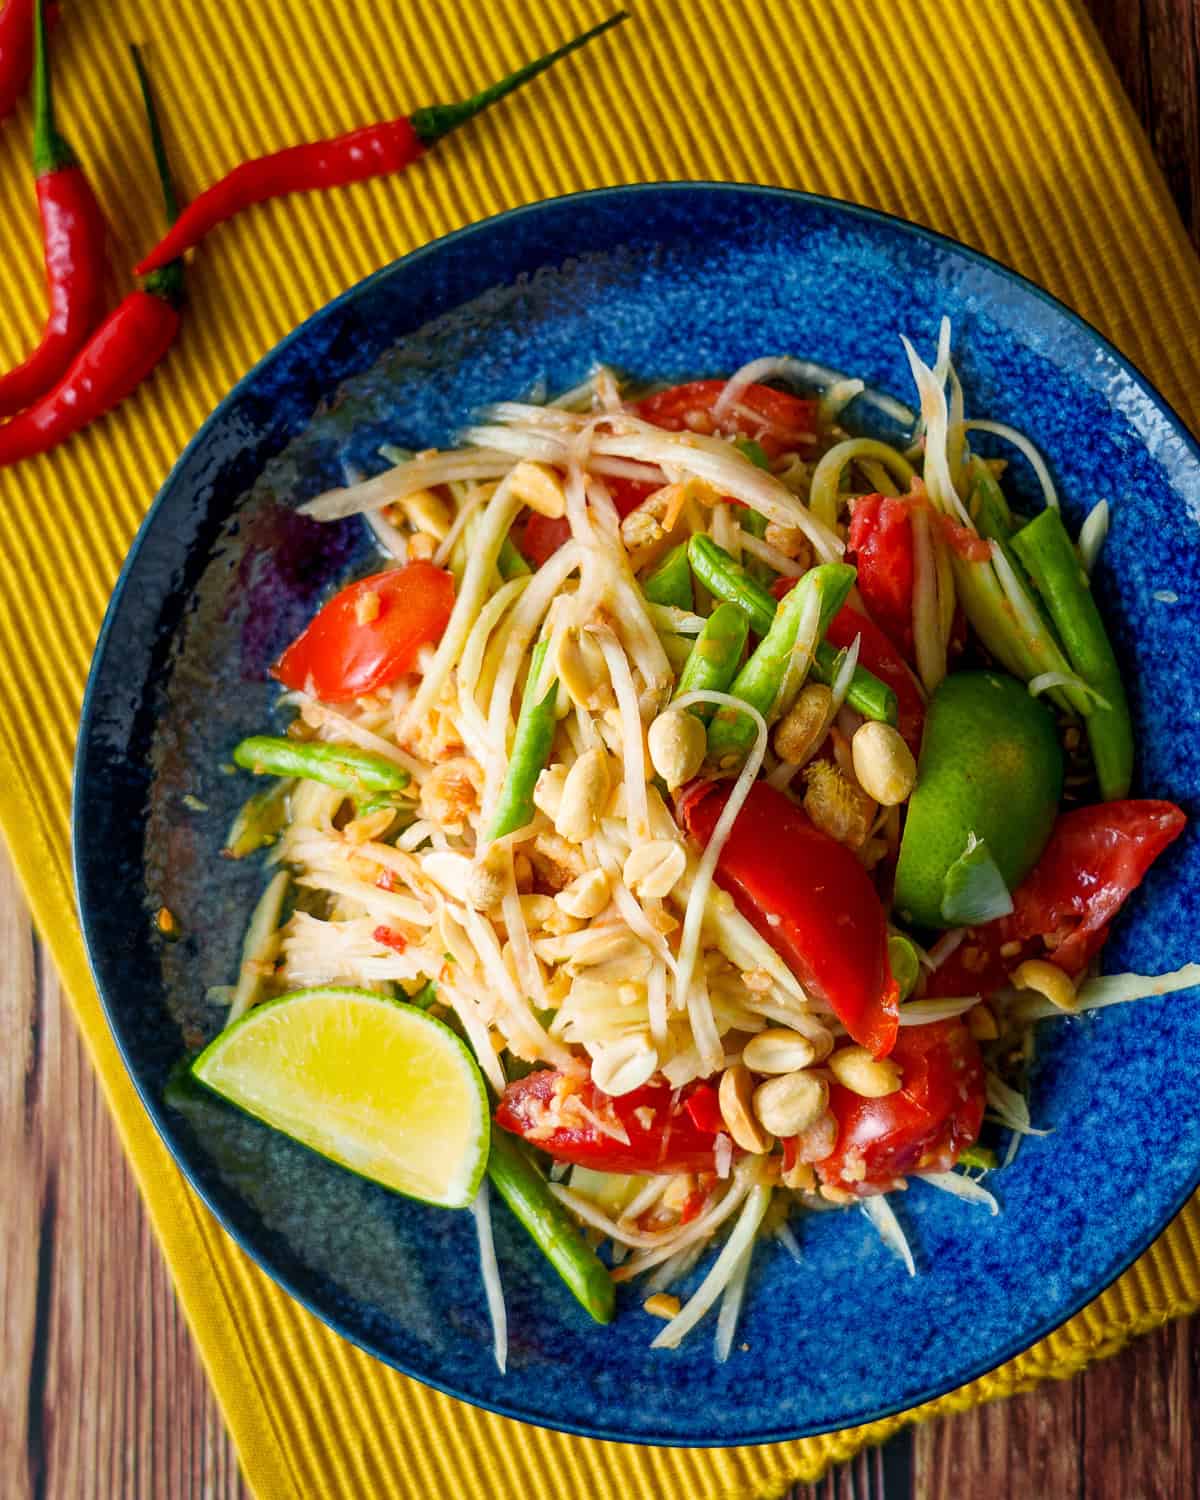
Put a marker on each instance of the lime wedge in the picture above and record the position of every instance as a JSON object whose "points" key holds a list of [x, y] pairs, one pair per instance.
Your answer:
{"points": [[376, 1086]]}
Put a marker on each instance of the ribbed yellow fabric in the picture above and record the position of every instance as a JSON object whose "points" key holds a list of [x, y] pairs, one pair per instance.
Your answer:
{"points": [[999, 122]]}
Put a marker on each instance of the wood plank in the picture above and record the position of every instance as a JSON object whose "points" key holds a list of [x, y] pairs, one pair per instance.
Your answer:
{"points": [[102, 1396]]}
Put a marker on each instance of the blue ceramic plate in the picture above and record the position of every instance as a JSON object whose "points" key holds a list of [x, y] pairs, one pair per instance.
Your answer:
{"points": [[671, 281]]}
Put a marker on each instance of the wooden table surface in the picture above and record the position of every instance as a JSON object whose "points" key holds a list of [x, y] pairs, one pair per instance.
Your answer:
{"points": [[102, 1396]]}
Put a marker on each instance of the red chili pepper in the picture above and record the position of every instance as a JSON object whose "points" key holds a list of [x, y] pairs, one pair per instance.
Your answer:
{"points": [[73, 247], [390, 939], [810, 898], [16, 50], [117, 357], [371, 151]]}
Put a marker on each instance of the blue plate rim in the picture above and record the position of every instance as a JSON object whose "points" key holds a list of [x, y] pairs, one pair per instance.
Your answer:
{"points": [[158, 1110]]}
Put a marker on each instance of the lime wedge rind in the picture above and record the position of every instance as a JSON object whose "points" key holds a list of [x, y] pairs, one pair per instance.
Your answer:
{"points": [[380, 1088]]}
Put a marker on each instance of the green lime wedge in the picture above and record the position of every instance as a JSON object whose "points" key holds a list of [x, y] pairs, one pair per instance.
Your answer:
{"points": [[379, 1087]]}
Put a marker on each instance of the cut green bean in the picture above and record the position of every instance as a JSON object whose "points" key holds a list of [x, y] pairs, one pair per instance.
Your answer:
{"points": [[982, 1157], [530, 750], [549, 1225], [424, 997], [987, 506], [904, 963], [715, 657], [757, 455], [762, 678], [671, 581], [345, 766], [259, 821], [510, 563], [728, 580], [866, 693], [1051, 561]]}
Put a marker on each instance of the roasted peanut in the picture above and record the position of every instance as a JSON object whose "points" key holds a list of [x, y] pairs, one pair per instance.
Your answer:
{"points": [[651, 870], [735, 1096], [1047, 979], [837, 805], [584, 794], [883, 763], [582, 670], [662, 1305], [677, 743], [869, 1077], [790, 1103], [622, 1066], [586, 896], [540, 488], [778, 1051], [548, 790], [801, 730]]}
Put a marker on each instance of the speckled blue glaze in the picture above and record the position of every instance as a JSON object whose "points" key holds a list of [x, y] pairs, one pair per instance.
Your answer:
{"points": [[661, 281]]}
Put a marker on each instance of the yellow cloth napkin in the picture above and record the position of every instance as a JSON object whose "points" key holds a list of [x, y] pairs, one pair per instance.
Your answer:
{"points": [[1000, 123]]}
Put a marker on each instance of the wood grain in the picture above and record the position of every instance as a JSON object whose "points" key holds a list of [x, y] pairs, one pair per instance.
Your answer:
{"points": [[102, 1396]]}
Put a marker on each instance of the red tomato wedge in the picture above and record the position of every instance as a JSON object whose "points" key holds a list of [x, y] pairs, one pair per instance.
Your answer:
{"points": [[542, 537], [810, 899], [934, 1115], [881, 538], [878, 655], [663, 1138], [777, 420], [1095, 858], [369, 634]]}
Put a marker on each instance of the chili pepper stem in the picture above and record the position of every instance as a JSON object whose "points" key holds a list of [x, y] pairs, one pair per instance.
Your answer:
{"points": [[50, 152], [436, 120], [166, 282]]}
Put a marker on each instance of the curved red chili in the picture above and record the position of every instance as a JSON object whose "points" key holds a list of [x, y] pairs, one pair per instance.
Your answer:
{"points": [[371, 151], [117, 357], [73, 247]]}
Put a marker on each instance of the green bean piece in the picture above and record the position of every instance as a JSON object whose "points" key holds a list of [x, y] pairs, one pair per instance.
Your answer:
{"points": [[530, 751], [757, 455], [424, 997], [762, 678], [715, 656], [866, 693], [510, 563], [524, 1189], [259, 821], [987, 506], [671, 581], [982, 1157], [346, 766], [1051, 561], [904, 963], [730, 582]]}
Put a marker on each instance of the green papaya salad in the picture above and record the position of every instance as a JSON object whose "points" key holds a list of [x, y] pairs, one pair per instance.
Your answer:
{"points": [[682, 827]]}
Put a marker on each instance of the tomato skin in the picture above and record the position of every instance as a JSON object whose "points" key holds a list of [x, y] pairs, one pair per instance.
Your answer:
{"points": [[542, 537], [1095, 859], [778, 421], [934, 1115], [831, 929], [670, 1143], [877, 654], [338, 658], [704, 1109], [881, 538]]}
